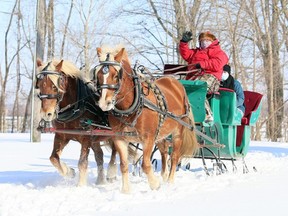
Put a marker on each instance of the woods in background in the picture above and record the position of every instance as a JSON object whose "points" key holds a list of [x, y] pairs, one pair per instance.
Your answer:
{"points": [[253, 34]]}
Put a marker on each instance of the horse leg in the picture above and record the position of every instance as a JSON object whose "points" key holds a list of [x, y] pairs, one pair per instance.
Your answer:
{"points": [[122, 149], [177, 142], [153, 181], [163, 148], [112, 167], [98, 154], [83, 164], [63, 169]]}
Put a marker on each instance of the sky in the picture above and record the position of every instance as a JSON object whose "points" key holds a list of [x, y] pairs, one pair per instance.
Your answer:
{"points": [[30, 185], [5, 14]]}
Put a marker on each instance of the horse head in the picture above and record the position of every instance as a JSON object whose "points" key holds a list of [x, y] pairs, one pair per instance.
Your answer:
{"points": [[108, 77], [51, 83]]}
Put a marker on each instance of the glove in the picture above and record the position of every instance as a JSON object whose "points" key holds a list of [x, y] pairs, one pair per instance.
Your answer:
{"points": [[197, 66], [187, 36]]}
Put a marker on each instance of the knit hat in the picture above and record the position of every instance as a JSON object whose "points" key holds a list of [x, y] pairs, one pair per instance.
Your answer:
{"points": [[207, 35], [227, 68]]}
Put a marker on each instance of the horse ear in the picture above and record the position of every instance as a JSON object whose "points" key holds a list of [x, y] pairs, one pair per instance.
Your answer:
{"points": [[119, 55], [39, 62], [99, 51], [59, 65]]}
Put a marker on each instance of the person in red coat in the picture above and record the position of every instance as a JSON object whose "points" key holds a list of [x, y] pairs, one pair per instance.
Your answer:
{"points": [[209, 58], [205, 63]]}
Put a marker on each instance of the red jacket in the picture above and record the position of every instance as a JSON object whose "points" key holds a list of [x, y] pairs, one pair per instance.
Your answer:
{"points": [[211, 59]]}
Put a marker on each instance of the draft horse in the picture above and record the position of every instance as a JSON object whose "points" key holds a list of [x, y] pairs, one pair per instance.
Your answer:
{"points": [[153, 110], [67, 101]]}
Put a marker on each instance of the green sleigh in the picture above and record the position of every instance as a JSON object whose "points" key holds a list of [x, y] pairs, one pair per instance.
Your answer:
{"points": [[229, 133]]}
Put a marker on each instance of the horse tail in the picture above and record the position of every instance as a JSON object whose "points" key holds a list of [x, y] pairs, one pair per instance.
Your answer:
{"points": [[190, 145]]}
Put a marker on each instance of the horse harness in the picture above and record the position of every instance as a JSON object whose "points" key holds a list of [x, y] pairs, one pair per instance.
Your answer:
{"points": [[140, 101], [74, 110]]}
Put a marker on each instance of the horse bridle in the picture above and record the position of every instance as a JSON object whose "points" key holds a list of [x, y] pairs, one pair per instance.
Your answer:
{"points": [[42, 75], [138, 99], [105, 70]]}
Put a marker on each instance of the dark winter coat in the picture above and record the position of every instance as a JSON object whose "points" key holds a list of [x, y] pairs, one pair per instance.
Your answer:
{"points": [[235, 85]]}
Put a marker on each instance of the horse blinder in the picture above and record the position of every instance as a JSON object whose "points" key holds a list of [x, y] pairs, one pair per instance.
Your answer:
{"points": [[61, 82], [105, 70]]}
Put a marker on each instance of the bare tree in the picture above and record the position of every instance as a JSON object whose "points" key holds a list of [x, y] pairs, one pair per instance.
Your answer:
{"points": [[185, 20], [40, 47], [15, 112], [50, 29], [83, 36], [253, 33], [266, 35], [65, 29], [162, 25], [284, 20], [7, 70], [85, 17]]}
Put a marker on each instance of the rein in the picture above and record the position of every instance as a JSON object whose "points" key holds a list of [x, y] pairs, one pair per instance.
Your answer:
{"points": [[138, 98], [73, 110], [168, 114], [140, 101]]}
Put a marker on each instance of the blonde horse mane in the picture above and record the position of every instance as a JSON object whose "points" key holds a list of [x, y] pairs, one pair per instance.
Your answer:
{"points": [[105, 49], [68, 68]]}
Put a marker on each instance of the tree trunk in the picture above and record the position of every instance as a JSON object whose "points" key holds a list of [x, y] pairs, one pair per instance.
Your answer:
{"points": [[185, 20], [276, 70], [7, 70], [269, 46], [284, 5], [65, 30], [15, 113], [27, 111], [40, 42], [50, 29]]}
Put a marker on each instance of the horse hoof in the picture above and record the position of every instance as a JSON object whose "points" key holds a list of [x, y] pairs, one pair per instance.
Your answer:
{"points": [[156, 187], [165, 178], [100, 181], [71, 173], [155, 184], [111, 180], [126, 190], [82, 184]]}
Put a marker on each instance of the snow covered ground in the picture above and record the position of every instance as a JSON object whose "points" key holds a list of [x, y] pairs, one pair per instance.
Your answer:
{"points": [[30, 185]]}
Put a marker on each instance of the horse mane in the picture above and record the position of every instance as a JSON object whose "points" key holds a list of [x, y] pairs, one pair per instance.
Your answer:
{"points": [[68, 68], [105, 49]]}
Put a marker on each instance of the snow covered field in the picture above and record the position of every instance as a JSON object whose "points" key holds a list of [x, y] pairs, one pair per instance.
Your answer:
{"points": [[30, 185]]}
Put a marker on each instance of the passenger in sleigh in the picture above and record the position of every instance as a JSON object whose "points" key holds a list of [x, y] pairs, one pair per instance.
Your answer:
{"points": [[229, 82], [208, 58]]}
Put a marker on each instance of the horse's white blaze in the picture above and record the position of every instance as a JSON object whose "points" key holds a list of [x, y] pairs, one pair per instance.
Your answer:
{"points": [[105, 103]]}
